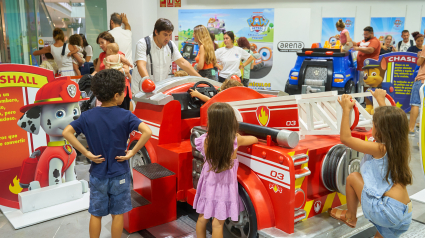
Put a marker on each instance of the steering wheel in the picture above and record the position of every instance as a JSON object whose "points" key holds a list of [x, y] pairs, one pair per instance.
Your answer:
{"points": [[210, 91]]}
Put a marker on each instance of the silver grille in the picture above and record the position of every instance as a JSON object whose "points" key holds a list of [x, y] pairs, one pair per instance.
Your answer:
{"points": [[316, 73]]}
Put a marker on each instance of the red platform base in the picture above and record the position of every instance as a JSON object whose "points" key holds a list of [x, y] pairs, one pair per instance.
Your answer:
{"points": [[153, 198]]}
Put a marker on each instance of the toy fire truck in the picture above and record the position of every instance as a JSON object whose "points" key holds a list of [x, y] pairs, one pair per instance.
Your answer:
{"points": [[297, 171]]}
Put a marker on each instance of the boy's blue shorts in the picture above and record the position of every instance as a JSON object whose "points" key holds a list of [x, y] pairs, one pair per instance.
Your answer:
{"points": [[110, 195]]}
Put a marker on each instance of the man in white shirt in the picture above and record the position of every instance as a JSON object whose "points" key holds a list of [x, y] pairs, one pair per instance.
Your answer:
{"points": [[122, 36], [157, 64], [403, 45]]}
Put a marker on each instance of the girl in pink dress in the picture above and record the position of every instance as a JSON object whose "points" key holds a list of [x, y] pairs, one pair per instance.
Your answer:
{"points": [[217, 192]]}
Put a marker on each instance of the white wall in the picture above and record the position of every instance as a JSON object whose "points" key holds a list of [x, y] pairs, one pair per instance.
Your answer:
{"points": [[362, 10], [141, 14]]}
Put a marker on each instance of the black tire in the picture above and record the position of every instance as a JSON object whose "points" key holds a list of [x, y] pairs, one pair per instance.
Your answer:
{"points": [[249, 228], [349, 87], [141, 154], [287, 86]]}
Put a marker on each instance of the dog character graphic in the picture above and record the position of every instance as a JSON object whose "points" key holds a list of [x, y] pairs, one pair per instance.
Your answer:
{"points": [[211, 22], [55, 106], [374, 72]]}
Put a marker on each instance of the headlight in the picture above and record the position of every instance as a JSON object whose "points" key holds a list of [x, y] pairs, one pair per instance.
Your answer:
{"points": [[339, 78]]}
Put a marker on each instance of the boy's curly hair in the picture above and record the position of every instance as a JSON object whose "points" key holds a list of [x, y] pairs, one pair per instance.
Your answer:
{"points": [[106, 83]]}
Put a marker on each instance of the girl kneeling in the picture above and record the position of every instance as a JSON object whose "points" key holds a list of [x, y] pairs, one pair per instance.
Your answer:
{"points": [[385, 172]]}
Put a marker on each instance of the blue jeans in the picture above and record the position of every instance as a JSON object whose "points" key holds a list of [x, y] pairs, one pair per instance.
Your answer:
{"points": [[110, 195], [390, 217], [415, 98]]}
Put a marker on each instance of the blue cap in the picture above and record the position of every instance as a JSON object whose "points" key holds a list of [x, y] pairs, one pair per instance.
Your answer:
{"points": [[370, 63]]}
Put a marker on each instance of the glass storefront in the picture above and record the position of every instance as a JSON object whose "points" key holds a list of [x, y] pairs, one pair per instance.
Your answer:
{"points": [[27, 25]]}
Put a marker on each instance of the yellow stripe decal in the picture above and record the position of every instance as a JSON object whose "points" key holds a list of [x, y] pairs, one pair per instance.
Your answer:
{"points": [[299, 182], [422, 134], [389, 71], [342, 198], [307, 208], [329, 201]]}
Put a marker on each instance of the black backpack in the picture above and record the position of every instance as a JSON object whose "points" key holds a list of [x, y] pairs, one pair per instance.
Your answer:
{"points": [[399, 44], [85, 85], [148, 50]]}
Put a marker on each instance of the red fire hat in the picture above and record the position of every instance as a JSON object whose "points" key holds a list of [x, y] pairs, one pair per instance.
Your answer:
{"points": [[235, 77], [59, 90]]}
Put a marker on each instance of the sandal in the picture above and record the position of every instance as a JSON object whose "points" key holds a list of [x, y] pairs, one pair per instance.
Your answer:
{"points": [[340, 215]]}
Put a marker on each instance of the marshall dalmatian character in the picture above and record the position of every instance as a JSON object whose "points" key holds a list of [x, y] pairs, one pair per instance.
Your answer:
{"points": [[55, 107]]}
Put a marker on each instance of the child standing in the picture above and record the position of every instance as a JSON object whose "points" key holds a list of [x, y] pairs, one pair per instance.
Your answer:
{"points": [[107, 129], [76, 42], [344, 37], [217, 193], [385, 172]]}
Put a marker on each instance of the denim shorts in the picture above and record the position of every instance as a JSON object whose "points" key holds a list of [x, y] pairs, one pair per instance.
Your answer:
{"points": [[390, 217], [415, 98], [110, 195]]}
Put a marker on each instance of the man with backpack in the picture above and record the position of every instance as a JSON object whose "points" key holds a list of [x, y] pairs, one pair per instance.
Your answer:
{"points": [[155, 54], [403, 45]]}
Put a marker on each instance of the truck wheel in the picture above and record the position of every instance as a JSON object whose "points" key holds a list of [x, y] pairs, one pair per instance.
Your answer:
{"points": [[287, 87], [246, 226], [349, 87], [140, 158]]}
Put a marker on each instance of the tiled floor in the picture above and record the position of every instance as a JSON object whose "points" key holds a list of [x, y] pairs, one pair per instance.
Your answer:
{"points": [[76, 225]]}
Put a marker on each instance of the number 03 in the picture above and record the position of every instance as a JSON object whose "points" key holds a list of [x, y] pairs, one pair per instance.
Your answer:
{"points": [[277, 175]]}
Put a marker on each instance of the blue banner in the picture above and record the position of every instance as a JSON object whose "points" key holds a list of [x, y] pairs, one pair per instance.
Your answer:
{"points": [[423, 26], [329, 27], [383, 26], [394, 72]]}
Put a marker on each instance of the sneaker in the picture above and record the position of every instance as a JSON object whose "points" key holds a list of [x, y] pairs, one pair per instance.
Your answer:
{"points": [[412, 134]]}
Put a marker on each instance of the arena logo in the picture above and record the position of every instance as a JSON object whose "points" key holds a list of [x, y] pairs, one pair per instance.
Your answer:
{"points": [[290, 46], [258, 23]]}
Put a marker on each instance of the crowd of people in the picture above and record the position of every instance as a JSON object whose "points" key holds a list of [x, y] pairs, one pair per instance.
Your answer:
{"points": [[115, 81]]}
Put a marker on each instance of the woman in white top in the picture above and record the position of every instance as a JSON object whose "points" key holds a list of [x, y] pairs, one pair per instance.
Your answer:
{"points": [[88, 49], [229, 58], [64, 62]]}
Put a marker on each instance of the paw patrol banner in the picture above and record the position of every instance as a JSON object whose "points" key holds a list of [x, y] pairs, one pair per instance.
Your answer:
{"points": [[329, 29], [394, 72], [257, 25], [18, 87], [423, 26], [383, 26]]}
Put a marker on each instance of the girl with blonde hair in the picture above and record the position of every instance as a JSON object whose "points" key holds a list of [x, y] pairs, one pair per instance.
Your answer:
{"points": [[206, 56]]}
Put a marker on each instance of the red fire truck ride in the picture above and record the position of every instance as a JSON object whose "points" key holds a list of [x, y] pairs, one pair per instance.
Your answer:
{"points": [[297, 171]]}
